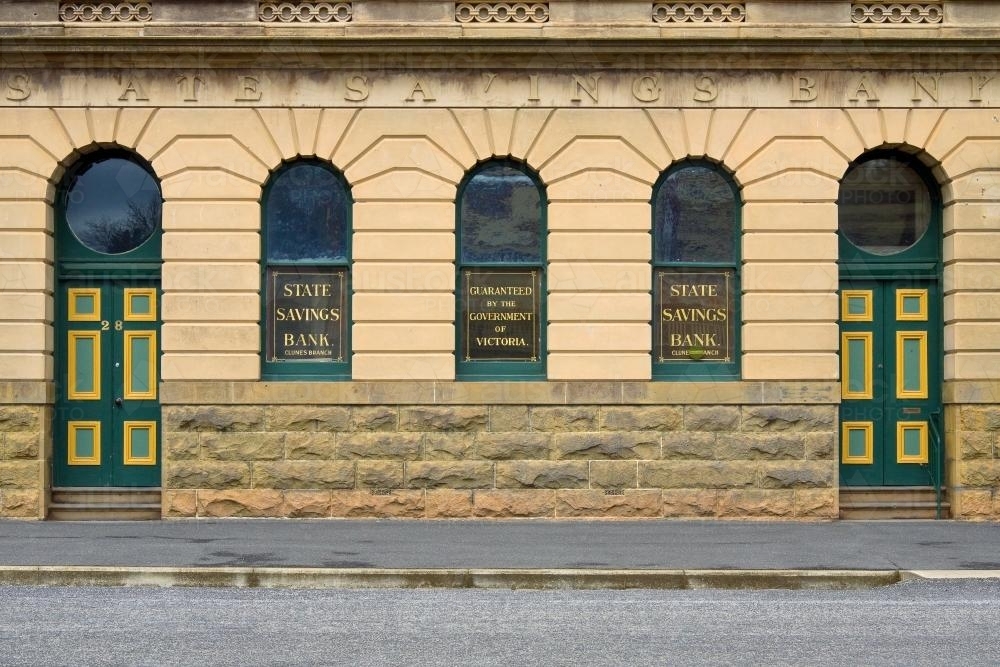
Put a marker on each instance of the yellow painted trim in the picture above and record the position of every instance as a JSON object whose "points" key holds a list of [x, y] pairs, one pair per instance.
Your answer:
{"points": [[72, 393], [901, 429], [846, 295], [130, 393], [72, 428], [902, 294], [869, 429], [74, 316], [900, 369], [131, 460], [140, 317], [845, 364]]}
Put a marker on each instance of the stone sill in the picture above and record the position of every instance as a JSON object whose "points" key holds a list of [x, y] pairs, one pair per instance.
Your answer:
{"points": [[512, 393]]}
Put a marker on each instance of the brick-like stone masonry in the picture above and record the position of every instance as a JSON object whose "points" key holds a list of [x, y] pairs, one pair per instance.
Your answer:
{"points": [[976, 491], [22, 464], [765, 461]]}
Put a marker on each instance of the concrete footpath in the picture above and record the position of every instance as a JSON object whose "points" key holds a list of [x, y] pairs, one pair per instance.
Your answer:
{"points": [[505, 554]]}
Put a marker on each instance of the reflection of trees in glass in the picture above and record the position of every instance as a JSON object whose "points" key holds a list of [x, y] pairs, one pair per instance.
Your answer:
{"points": [[113, 205], [306, 214], [694, 216], [501, 217]]}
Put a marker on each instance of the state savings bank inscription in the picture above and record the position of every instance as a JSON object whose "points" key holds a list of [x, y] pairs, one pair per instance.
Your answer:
{"points": [[695, 320]]}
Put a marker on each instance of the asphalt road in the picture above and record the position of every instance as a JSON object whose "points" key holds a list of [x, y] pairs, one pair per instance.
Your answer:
{"points": [[867, 545], [915, 623]]}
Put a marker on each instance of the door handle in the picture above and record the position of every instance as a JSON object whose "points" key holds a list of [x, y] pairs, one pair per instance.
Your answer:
{"points": [[118, 401]]}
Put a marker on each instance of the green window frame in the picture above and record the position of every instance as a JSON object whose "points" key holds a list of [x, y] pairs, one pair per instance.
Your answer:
{"points": [[306, 292], [696, 229], [500, 261]]}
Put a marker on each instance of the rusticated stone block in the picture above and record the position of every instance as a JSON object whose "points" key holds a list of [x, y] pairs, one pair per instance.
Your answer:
{"points": [[974, 504], [448, 446], [401, 446], [821, 446], [503, 504], [307, 418], [213, 418], [448, 504], [634, 418], [240, 503], [614, 474], [15, 418], [243, 446], [303, 475], [14, 446], [685, 445], [307, 504], [25, 504], [206, 475], [181, 446], [542, 475], [593, 503], [449, 474], [374, 418], [977, 445], [690, 502], [178, 504], [351, 504], [695, 475], [979, 418], [444, 418], [607, 445], [815, 504], [506, 446], [756, 504], [801, 475], [750, 446], [20, 475], [307, 446], [980, 473], [554, 419], [789, 417], [380, 474], [711, 418], [509, 418]]}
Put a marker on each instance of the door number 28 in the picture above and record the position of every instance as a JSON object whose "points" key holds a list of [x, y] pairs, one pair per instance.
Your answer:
{"points": [[105, 325]]}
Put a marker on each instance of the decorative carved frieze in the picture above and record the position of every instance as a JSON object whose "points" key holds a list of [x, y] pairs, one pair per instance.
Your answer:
{"points": [[105, 12], [305, 12], [897, 12], [699, 12], [502, 12]]}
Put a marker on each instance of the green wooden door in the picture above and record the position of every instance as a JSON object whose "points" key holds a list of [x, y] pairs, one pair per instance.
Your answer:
{"points": [[890, 348], [107, 425]]}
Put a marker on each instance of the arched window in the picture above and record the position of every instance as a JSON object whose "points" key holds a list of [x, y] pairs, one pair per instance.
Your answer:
{"points": [[696, 281], [501, 273], [306, 290]]}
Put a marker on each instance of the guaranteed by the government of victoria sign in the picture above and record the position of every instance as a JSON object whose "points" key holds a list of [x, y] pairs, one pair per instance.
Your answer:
{"points": [[694, 315], [305, 314], [500, 313]]}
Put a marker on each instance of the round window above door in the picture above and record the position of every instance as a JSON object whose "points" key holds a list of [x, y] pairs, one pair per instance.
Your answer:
{"points": [[888, 209], [111, 204]]}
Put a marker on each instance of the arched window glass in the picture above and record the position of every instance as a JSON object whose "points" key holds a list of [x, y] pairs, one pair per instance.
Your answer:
{"points": [[501, 273], [696, 285], [112, 204], [306, 266], [885, 206]]}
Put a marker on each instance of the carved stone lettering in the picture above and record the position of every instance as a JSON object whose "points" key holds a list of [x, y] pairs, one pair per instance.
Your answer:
{"points": [[249, 89], [18, 88]]}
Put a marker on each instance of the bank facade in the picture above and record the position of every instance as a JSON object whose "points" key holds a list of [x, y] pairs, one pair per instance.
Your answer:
{"points": [[446, 259]]}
